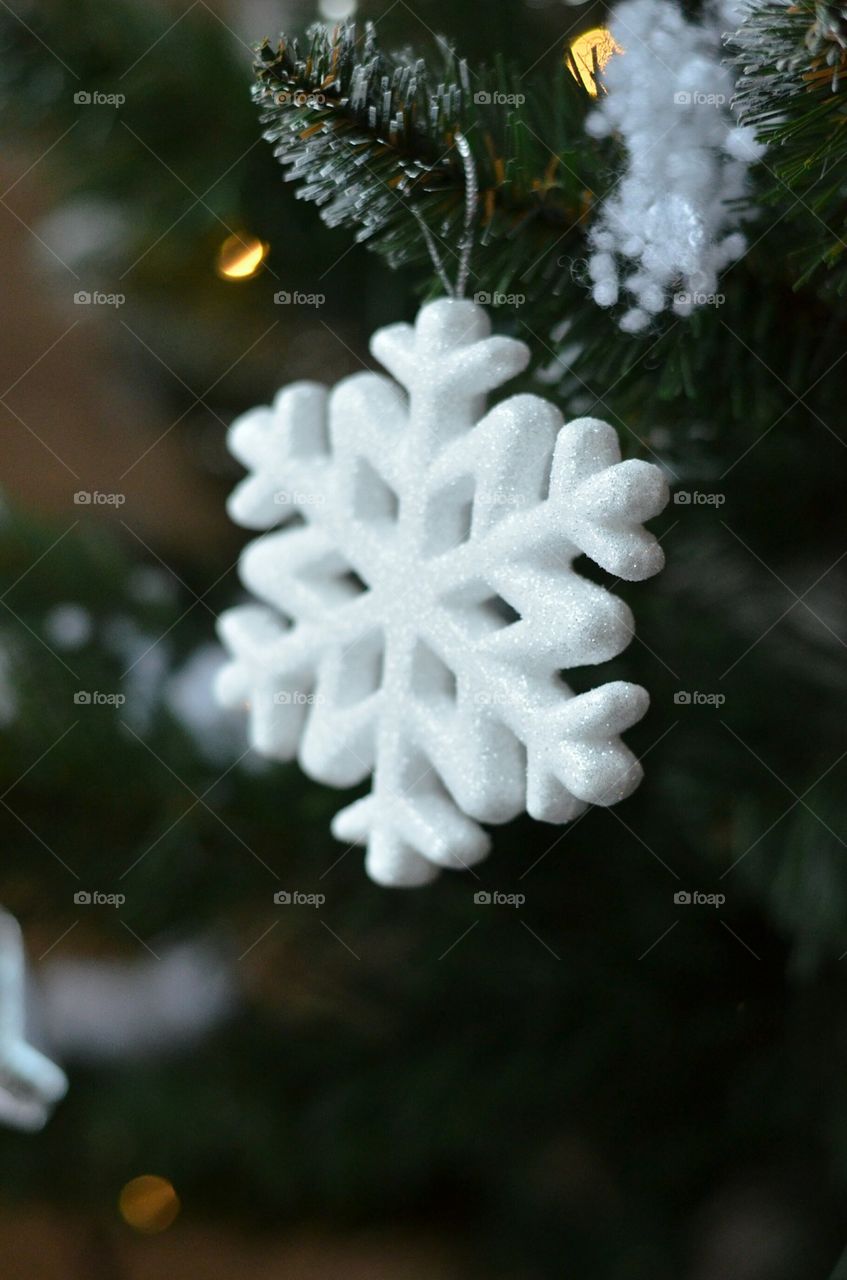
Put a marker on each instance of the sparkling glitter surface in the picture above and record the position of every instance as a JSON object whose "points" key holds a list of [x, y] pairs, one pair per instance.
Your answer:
{"points": [[418, 612]]}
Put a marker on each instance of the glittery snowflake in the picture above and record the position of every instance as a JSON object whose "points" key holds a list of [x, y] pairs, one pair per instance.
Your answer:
{"points": [[421, 601]]}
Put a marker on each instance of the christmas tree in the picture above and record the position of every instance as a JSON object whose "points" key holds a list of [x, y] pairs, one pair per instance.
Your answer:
{"points": [[612, 1048]]}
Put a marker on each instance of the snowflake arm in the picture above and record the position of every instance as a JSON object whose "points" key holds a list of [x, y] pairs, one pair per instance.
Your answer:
{"points": [[29, 1082], [418, 613]]}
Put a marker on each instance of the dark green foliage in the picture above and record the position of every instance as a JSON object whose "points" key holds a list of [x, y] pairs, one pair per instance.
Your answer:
{"points": [[577, 1111], [371, 139]]}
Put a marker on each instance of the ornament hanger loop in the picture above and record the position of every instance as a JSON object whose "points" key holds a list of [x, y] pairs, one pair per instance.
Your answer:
{"points": [[466, 247], [471, 199]]}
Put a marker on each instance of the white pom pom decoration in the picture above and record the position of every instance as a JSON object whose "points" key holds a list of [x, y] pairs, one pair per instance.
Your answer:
{"points": [[668, 100], [418, 612]]}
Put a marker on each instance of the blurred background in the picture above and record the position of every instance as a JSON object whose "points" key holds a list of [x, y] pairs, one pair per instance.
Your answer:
{"points": [[602, 1082]]}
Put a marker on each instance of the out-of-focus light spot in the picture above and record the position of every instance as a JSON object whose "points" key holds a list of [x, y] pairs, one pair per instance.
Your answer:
{"points": [[240, 257], [588, 54], [149, 1204]]}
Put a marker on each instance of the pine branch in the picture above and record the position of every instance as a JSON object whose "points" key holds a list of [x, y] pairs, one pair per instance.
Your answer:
{"points": [[793, 90], [371, 139]]}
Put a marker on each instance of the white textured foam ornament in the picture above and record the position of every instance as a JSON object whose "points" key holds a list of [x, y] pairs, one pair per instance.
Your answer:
{"points": [[29, 1082], [668, 227], [423, 601]]}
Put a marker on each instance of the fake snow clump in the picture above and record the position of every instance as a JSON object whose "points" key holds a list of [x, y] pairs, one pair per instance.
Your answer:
{"points": [[667, 228]]}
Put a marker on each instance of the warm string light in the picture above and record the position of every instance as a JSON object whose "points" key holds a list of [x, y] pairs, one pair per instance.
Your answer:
{"points": [[240, 257], [149, 1204], [588, 54]]}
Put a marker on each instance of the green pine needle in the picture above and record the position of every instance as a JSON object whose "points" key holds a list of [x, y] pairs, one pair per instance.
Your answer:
{"points": [[792, 89], [371, 139]]}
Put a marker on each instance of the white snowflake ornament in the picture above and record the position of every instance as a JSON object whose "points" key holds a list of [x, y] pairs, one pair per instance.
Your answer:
{"points": [[29, 1082], [421, 603]]}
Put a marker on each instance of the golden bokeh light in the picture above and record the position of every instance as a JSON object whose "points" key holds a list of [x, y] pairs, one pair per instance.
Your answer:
{"points": [[589, 53], [149, 1204], [240, 257]]}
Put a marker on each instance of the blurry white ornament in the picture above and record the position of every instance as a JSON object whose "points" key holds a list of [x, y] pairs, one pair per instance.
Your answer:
{"points": [[218, 734], [668, 227], [8, 700], [147, 659], [84, 232], [148, 584], [68, 626], [29, 1082], [336, 10], [432, 594], [100, 1010]]}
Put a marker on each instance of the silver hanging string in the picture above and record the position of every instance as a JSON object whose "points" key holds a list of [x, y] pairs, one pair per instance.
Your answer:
{"points": [[436, 257], [466, 246], [471, 198]]}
